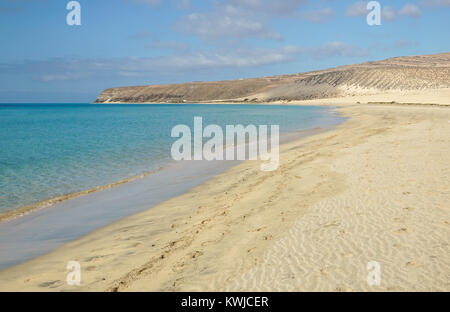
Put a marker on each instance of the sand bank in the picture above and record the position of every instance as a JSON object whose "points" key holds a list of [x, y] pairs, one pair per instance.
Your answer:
{"points": [[376, 188], [439, 96]]}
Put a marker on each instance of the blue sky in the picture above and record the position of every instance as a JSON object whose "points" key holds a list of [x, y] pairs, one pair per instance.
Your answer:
{"points": [[139, 42]]}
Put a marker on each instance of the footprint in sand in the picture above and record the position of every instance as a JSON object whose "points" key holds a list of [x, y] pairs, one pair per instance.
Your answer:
{"points": [[410, 264], [196, 254], [404, 230], [52, 284]]}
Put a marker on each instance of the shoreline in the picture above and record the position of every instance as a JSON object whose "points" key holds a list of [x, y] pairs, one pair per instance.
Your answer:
{"points": [[12, 214], [38, 206], [179, 244], [438, 96]]}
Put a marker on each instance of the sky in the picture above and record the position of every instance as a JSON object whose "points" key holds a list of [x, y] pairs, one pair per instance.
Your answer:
{"points": [[142, 42]]}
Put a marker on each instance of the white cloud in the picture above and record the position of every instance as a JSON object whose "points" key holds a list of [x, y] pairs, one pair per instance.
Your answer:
{"points": [[357, 9], [226, 21], [228, 25], [188, 62], [388, 14], [270, 7], [285, 7], [410, 10], [319, 15], [239, 19]]}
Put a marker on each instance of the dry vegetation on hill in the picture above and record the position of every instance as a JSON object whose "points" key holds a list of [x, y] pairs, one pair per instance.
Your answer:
{"points": [[400, 73]]}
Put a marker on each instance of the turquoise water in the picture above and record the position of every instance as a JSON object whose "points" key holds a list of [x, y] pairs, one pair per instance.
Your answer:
{"points": [[56, 149]]}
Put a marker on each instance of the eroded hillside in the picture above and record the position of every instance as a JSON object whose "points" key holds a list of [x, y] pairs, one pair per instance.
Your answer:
{"points": [[422, 72]]}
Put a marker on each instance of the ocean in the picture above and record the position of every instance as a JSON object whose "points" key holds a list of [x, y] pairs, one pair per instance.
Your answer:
{"points": [[49, 150]]}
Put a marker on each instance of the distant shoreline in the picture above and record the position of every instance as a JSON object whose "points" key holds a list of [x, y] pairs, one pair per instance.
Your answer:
{"points": [[438, 97]]}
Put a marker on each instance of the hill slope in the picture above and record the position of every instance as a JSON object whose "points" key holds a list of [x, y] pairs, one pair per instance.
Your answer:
{"points": [[423, 72]]}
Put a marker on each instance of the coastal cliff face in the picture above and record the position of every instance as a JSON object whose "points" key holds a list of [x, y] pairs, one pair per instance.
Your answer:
{"points": [[195, 91], [400, 73]]}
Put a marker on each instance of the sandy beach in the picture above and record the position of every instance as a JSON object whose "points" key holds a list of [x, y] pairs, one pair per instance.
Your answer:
{"points": [[377, 188]]}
